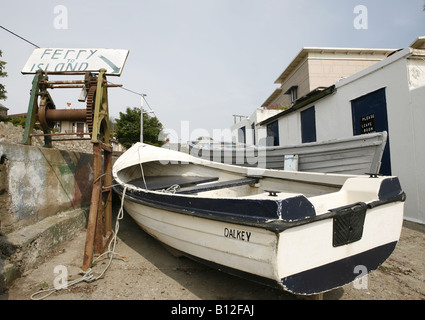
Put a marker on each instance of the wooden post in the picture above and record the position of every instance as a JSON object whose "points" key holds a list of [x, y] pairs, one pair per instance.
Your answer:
{"points": [[108, 192], [94, 204], [98, 235], [101, 204]]}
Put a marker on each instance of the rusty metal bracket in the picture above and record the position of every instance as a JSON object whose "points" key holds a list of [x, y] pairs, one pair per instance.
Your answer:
{"points": [[101, 111], [41, 107]]}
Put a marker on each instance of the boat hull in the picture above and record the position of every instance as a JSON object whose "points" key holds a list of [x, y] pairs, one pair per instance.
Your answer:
{"points": [[300, 259], [306, 233]]}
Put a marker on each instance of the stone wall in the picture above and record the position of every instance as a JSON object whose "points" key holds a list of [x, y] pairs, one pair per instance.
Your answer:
{"points": [[10, 133]]}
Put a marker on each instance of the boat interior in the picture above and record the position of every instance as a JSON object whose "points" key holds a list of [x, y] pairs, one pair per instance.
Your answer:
{"points": [[208, 180]]}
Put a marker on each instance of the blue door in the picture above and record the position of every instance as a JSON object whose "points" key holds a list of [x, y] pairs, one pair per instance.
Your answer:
{"points": [[308, 125], [369, 114]]}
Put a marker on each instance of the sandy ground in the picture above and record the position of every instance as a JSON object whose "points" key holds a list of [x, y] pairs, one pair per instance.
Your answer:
{"points": [[150, 272]]}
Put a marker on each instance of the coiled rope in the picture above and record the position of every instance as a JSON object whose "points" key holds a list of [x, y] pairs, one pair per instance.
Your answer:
{"points": [[88, 276]]}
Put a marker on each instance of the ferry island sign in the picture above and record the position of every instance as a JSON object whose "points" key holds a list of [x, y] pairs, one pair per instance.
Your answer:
{"points": [[76, 60]]}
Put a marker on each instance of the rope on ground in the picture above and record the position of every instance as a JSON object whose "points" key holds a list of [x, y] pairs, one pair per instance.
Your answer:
{"points": [[88, 276]]}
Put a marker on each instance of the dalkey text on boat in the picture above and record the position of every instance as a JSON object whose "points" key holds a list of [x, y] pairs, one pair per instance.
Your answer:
{"points": [[237, 234]]}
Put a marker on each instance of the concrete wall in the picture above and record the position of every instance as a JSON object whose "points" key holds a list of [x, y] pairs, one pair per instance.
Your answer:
{"points": [[14, 134], [37, 182], [325, 72]]}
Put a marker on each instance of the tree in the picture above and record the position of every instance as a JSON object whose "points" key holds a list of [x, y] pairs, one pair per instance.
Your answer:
{"points": [[2, 75], [128, 128]]}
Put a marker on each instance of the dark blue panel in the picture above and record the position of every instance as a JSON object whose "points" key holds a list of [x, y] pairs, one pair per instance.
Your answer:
{"points": [[297, 208], [242, 135], [369, 114], [308, 125], [273, 133], [338, 273], [390, 188]]}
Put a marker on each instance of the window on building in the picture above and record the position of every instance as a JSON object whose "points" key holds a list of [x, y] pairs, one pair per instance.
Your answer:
{"points": [[308, 125], [273, 134], [242, 135], [58, 126], [253, 133], [293, 94], [79, 127]]}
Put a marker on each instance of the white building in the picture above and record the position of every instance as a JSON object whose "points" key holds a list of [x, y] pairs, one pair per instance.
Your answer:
{"points": [[311, 71], [246, 131], [388, 95]]}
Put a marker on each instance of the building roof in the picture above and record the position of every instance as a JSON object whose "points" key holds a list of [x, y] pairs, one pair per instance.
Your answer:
{"points": [[309, 98], [3, 107], [340, 52], [419, 43], [273, 96]]}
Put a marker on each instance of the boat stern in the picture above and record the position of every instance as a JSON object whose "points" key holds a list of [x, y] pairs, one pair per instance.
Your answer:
{"points": [[328, 252]]}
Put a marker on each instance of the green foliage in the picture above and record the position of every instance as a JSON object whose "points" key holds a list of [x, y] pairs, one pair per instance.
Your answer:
{"points": [[2, 75], [128, 128], [18, 121]]}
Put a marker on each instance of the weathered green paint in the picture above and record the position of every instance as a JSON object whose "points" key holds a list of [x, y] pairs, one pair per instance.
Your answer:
{"points": [[101, 111], [32, 109]]}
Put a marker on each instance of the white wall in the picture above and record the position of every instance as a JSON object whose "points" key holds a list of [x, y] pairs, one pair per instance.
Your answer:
{"points": [[290, 129], [412, 165], [405, 98], [406, 116]]}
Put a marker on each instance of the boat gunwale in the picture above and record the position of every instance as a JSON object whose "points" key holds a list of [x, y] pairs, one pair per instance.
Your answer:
{"points": [[276, 225]]}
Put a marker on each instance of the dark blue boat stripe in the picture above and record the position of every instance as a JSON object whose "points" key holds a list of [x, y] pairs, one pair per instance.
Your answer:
{"points": [[273, 215], [291, 209], [317, 280], [338, 273]]}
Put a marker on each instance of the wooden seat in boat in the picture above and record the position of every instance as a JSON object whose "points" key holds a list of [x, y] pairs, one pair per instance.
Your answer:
{"points": [[218, 185], [164, 182]]}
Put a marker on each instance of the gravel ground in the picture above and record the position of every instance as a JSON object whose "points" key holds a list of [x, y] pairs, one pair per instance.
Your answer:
{"points": [[149, 272]]}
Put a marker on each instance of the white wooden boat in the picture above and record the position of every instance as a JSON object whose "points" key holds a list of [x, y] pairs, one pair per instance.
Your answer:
{"points": [[306, 233], [355, 155]]}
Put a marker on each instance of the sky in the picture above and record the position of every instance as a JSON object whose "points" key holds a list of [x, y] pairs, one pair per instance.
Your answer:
{"points": [[199, 62]]}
